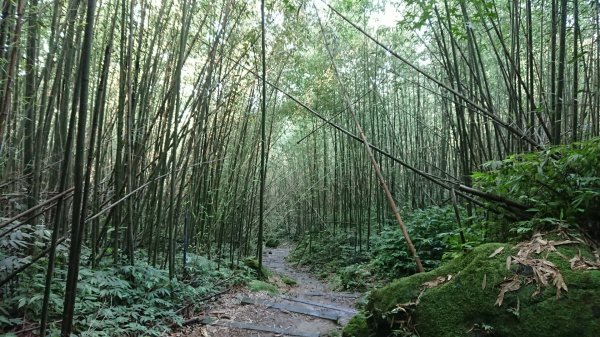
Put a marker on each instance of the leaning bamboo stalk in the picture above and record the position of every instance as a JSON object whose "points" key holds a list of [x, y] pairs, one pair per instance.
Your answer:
{"points": [[434, 179], [374, 162], [482, 110], [35, 208]]}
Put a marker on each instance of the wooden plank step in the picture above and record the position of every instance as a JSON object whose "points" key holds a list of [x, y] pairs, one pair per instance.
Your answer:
{"points": [[343, 295], [325, 314], [257, 327], [322, 305]]}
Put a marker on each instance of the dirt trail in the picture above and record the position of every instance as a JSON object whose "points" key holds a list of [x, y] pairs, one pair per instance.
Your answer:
{"points": [[308, 309]]}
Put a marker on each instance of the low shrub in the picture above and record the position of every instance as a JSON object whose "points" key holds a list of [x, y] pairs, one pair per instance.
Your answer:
{"points": [[561, 187], [139, 300], [272, 243], [434, 232]]}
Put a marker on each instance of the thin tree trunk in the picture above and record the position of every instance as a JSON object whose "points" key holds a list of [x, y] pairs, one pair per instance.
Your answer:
{"points": [[376, 167], [79, 212]]}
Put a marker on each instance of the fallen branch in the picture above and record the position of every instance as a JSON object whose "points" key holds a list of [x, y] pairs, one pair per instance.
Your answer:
{"points": [[493, 197], [38, 206]]}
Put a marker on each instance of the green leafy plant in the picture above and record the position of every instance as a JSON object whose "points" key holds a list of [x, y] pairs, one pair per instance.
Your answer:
{"points": [[138, 300], [353, 277], [272, 243], [561, 187], [434, 232]]}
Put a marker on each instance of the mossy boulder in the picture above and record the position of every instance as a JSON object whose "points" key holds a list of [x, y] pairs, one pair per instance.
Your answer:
{"points": [[356, 327], [252, 263], [460, 298], [272, 243], [258, 286], [289, 281]]}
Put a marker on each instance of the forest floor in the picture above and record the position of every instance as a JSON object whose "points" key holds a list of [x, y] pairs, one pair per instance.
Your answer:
{"points": [[309, 308]]}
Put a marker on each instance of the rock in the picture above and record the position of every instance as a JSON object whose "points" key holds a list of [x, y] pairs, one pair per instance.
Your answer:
{"points": [[252, 263], [272, 243], [461, 297], [357, 327]]}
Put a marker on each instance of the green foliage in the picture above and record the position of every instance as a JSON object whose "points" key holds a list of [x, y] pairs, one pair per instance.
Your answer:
{"points": [[355, 276], [25, 296], [356, 327], [326, 253], [257, 285], [18, 245], [288, 280], [138, 300], [272, 243], [144, 300], [7, 321], [560, 185], [434, 233], [252, 263]]}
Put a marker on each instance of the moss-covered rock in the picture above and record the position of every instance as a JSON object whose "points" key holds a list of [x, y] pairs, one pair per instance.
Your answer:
{"points": [[464, 303], [257, 286], [356, 327], [252, 263], [272, 243], [289, 281]]}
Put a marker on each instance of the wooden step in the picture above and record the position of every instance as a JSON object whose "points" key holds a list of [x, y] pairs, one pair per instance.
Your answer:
{"points": [[343, 295], [317, 304], [255, 327], [325, 314]]}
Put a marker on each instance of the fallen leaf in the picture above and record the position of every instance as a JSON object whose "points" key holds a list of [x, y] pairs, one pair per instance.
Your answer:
{"points": [[496, 252], [483, 284], [436, 282], [509, 285], [578, 262], [559, 283], [564, 242]]}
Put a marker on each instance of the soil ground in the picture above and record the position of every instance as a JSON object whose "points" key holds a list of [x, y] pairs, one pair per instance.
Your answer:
{"points": [[228, 308]]}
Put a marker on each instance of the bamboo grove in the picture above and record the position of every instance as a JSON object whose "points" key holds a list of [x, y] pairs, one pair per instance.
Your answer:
{"points": [[135, 128]]}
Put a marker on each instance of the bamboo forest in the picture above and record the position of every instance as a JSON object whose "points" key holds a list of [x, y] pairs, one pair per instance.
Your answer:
{"points": [[350, 168]]}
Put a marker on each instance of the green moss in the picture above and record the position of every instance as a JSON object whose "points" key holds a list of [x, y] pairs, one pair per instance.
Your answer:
{"points": [[252, 263], [466, 301], [288, 280], [256, 286], [272, 243], [356, 327]]}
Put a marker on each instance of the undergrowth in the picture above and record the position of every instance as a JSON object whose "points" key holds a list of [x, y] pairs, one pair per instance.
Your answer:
{"points": [[561, 187], [434, 232], [139, 300]]}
